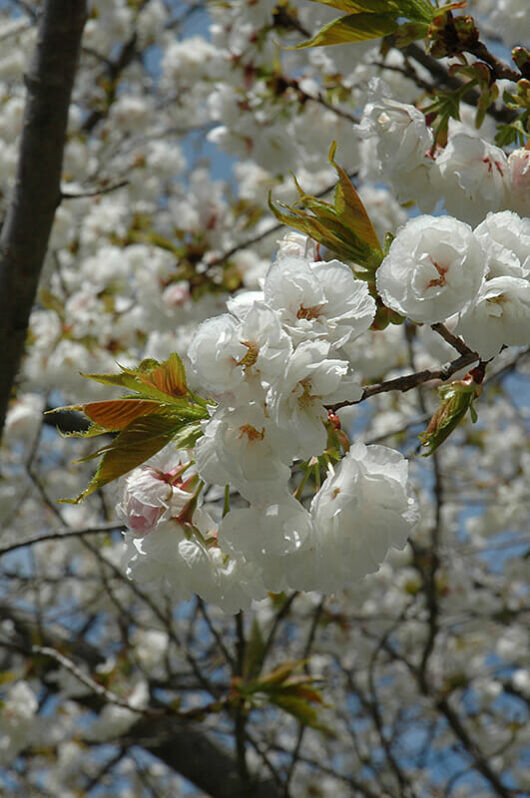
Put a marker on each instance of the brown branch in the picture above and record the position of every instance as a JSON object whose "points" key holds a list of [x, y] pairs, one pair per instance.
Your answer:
{"points": [[500, 69], [442, 76], [28, 223], [182, 744], [456, 342], [409, 381]]}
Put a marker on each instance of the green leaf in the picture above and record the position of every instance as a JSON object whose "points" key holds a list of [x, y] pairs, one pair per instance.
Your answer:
{"points": [[457, 399], [298, 708], [188, 435], [278, 675], [357, 6], [139, 441], [417, 10], [353, 28]]}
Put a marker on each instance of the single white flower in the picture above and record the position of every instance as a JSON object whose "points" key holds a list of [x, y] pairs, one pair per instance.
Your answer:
{"points": [[505, 238], [236, 582], [319, 300], [296, 401], [271, 537], [228, 351], [237, 449], [435, 265], [472, 177], [500, 315], [162, 560], [362, 509], [403, 141]]}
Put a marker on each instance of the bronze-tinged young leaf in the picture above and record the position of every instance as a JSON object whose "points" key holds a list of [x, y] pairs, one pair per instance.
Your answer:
{"points": [[163, 381], [168, 377], [353, 28], [139, 441], [116, 414], [350, 208], [332, 235]]}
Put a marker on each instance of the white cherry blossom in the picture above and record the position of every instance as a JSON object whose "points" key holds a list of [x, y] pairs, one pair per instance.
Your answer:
{"points": [[518, 181], [435, 265], [473, 177], [237, 449], [216, 353], [505, 237], [151, 496], [318, 300], [402, 143], [362, 509], [499, 316], [272, 537], [312, 378]]}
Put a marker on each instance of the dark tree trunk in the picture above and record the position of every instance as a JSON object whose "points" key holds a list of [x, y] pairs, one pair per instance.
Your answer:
{"points": [[29, 219]]}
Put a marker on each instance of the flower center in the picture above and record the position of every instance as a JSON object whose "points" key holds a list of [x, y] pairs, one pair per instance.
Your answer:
{"points": [[442, 271], [306, 398], [309, 313], [250, 356], [251, 432]]}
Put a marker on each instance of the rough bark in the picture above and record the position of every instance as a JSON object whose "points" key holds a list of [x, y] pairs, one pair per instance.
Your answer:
{"points": [[190, 752], [29, 219]]}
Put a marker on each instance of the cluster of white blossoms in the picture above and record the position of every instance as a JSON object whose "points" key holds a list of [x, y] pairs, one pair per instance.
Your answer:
{"points": [[439, 269], [471, 175], [272, 366]]}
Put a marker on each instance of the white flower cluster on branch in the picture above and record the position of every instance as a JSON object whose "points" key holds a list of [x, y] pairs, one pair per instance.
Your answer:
{"points": [[471, 175], [271, 366], [437, 268]]}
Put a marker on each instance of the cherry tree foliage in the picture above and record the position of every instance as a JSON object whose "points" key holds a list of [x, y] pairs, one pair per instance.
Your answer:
{"points": [[274, 257]]}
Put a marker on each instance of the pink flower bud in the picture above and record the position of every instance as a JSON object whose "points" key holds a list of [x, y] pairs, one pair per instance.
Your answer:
{"points": [[151, 496]]}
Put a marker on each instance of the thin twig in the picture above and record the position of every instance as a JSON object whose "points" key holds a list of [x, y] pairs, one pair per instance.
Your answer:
{"points": [[96, 688], [456, 342], [409, 381], [93, 192], [71, 533]]}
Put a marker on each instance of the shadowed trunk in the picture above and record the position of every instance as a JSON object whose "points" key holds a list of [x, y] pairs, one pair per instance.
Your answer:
{"points": [[29, 219]]}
